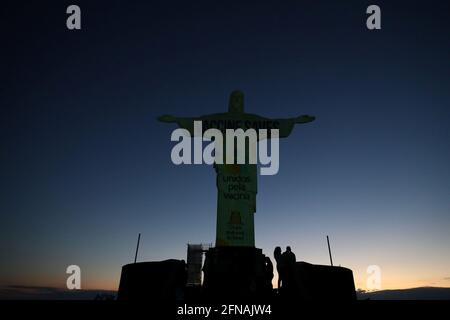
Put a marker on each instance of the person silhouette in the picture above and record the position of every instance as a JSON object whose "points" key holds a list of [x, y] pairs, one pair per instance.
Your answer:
{"points": [[280, 265], [268, 268], [289, 259], [266, 281], [290, 256]]}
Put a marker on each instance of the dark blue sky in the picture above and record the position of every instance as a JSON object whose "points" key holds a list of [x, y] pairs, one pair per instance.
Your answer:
{"points": [[85, 166]]}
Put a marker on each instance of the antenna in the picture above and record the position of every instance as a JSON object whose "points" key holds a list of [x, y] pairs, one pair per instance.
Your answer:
{"points": [[329, 251], [137, 248]]}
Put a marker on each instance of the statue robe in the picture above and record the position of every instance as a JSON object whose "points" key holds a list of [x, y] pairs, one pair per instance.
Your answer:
{"points": [[237, 183]]}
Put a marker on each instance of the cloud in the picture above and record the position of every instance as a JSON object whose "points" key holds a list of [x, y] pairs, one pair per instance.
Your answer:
{"points": [[422, 293], [19, 292]]}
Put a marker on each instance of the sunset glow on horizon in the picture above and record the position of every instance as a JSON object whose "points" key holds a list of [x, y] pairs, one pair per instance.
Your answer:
{"points": [[86, 166]]}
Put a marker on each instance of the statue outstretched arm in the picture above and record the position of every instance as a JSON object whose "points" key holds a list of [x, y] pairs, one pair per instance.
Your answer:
{"points": [[167, 118], [304, 119], [286, 125], [184, 123], [188, 123]]}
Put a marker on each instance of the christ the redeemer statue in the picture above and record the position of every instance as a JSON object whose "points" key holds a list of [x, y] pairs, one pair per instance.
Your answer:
{"points": [[237, 183]]}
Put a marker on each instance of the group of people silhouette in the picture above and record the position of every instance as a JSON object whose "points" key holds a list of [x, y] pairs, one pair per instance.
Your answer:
{"points": [[285, 266]]}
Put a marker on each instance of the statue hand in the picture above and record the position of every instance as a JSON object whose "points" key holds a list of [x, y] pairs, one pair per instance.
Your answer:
{"points": [[304, 119], [167, 118]]}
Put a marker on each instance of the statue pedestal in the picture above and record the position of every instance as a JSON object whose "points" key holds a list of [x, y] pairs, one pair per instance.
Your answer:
{"points": [[236, 273], [153, 281]]}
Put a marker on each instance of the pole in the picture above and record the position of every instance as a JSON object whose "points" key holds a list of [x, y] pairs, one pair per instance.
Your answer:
{"points": [[137, 248], [329, 251]]}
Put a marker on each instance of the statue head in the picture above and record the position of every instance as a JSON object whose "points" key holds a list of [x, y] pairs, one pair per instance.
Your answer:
{"points": [[236, 102]]}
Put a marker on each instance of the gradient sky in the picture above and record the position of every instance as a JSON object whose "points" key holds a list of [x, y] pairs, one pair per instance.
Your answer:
{"points": [[85, 166]]}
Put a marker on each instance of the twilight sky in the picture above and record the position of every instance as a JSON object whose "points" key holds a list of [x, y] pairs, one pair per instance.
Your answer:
{"points": [[85, 166]]}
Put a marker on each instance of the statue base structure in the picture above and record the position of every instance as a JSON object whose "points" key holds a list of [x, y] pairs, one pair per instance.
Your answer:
{"points": [[236, 273], [312, 282], [153, 281]]}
